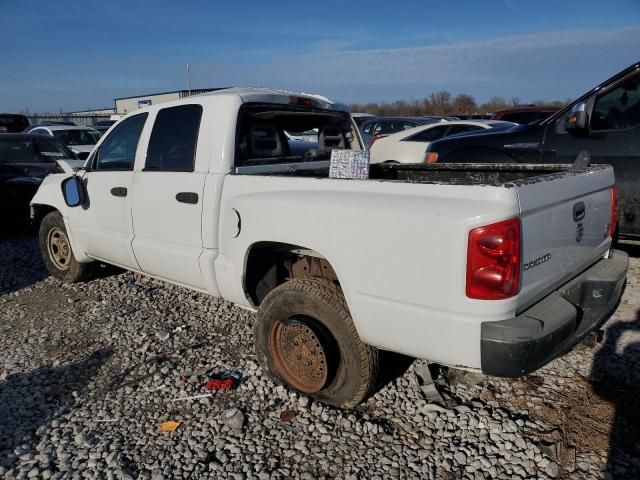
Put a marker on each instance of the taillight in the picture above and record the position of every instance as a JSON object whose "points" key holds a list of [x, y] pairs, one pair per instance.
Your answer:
{"points": [[432, 157], [614, 211], [493, 261]]}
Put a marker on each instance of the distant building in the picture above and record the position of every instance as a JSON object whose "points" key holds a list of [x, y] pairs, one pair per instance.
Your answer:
{"points": [[129, 104], [96, 112]]}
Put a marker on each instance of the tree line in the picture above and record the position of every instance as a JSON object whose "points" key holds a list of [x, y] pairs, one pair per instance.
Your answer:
{"points": [[443, 103]]}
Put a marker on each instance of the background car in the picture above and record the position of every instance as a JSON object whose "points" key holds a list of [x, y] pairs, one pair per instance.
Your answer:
{"points": [[80, 140], [474, 116], [13, 123], [380, 127], [25, 159], [525, 115], [103, 125], [47, 123], [605, 122], [409, 146], [360, 118]]}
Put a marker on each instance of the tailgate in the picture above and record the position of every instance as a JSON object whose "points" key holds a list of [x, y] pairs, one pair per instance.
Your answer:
{"points": [[565, 227]]}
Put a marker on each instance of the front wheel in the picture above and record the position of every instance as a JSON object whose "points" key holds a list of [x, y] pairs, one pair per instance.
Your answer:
{"points": [[55, 248], [305, 337]]}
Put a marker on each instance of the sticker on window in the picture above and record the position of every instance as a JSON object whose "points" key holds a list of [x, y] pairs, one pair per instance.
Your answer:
{"points": [[52, 154]]}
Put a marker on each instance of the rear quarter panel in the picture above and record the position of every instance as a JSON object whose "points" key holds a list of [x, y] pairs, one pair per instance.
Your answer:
{"points": [[399, 251]]}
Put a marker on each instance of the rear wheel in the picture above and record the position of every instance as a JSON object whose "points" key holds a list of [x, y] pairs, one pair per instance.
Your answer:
{"points": [[305, 337], [55, 248]]}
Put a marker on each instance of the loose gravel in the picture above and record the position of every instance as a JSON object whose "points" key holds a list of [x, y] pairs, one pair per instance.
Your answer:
{"points": [[90, 371]]}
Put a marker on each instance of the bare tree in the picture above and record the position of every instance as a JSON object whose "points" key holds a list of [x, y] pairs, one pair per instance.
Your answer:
{"points": [[463, 103], [441, 103]]}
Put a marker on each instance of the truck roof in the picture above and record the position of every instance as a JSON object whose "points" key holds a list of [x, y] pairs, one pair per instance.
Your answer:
{"points": [[254, 95], [257, 94]]}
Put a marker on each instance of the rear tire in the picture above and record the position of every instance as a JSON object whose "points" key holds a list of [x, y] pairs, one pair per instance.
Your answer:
{"points": [[55, 248], [305, 338]]}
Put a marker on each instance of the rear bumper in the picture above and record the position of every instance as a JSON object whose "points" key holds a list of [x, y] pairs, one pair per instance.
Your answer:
{"points": [[520, 345]]}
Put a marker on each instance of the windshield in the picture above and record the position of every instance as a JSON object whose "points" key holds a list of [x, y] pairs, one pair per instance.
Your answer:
{"points": [[77, 137]]}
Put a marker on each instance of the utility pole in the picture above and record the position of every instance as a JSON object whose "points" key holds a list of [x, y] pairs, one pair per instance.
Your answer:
{"points": [[189, 79]]}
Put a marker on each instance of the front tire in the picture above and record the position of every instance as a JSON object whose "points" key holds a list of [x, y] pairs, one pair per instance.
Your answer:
{"points": [[305, 338], [55, 248]]}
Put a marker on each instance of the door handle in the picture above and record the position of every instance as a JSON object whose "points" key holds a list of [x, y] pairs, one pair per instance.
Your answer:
{"points": [[119, 191], [187, 197], [579, 211]]}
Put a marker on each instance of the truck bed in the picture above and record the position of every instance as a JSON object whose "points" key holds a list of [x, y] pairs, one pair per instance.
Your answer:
{"points": [[442, 174]]}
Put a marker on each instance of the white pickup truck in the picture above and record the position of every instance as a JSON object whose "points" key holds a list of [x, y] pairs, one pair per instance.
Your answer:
{"points": [[499, 268]]}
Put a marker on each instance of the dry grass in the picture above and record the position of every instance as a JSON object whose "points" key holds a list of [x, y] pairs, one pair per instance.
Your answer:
{"points": [[587, 416]]}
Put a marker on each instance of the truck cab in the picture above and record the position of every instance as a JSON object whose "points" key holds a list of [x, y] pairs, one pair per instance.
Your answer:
{"points": [[607, 125]]}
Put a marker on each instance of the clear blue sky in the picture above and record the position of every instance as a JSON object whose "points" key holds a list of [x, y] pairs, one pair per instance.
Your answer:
{"points": [[82, 54]]}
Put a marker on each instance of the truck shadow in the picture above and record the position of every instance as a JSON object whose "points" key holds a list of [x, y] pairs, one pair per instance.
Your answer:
{"points": [[392, 366], [615, 377], [32, 400], [21, 263]]}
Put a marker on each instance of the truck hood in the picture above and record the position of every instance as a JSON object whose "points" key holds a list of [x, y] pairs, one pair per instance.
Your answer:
{"points": [[81, 148], [70, 166], [521, 134]]}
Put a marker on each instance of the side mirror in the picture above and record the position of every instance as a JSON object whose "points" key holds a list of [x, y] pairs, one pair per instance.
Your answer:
{"points": [[578, 120], [83, 155], [73, 191]]}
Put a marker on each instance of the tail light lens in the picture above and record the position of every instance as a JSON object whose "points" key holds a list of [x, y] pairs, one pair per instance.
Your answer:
{"points": [[432, 157], [614, 211], [493, 261]]}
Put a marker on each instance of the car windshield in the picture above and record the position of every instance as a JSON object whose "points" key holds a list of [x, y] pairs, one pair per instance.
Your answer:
{"points": [[50, 149], [16, 151], [77, 137]]}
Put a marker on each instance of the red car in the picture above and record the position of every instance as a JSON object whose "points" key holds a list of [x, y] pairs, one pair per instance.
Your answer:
{"points": [[524, 115]]}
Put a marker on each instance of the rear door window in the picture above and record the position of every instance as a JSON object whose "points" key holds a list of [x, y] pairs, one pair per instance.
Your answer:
{"points": [[428, 135], [172, 146]]}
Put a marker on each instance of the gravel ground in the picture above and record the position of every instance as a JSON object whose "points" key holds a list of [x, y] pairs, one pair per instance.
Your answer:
{"points": [[89, 371]]}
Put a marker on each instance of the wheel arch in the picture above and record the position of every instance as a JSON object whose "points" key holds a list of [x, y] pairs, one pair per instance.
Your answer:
{"points": [[39, 211], [269, 264]]}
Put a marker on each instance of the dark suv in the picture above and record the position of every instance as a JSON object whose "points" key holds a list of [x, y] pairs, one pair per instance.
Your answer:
{"points": [[13, 123], [25, 159], [605, 122]]}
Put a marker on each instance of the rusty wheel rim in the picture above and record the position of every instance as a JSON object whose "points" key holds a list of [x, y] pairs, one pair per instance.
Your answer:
{"points": [[300, 354], [59, 249]]}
